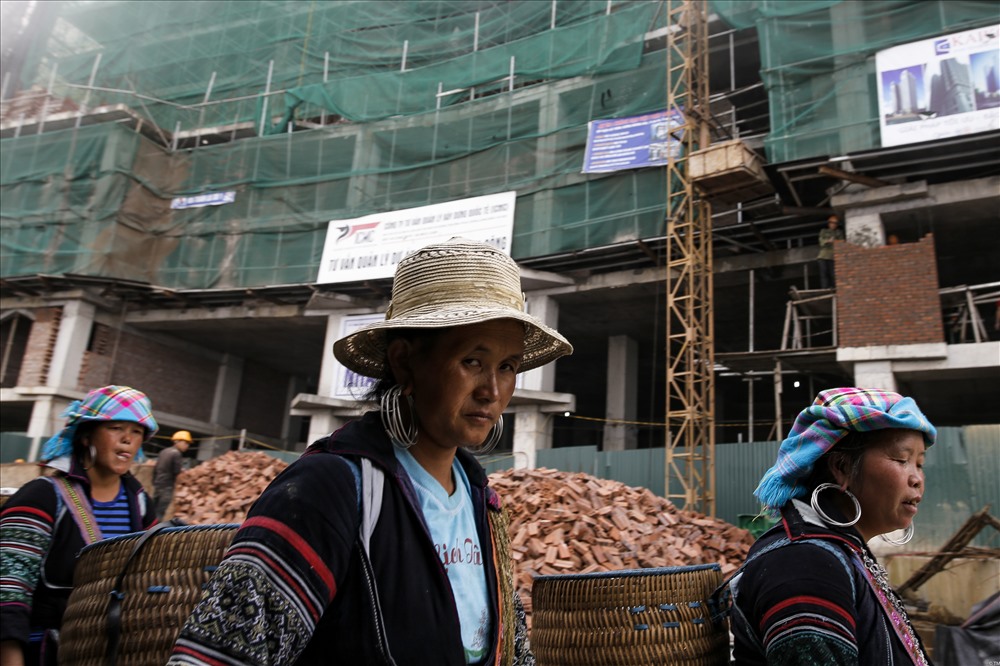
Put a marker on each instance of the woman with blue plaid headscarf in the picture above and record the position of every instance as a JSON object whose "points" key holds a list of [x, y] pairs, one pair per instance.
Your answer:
{"points": [[88, 496], [811, 591]]}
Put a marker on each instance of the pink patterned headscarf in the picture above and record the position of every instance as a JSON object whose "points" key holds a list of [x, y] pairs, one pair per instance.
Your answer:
{"points": [[109, 403], [834, 414]]}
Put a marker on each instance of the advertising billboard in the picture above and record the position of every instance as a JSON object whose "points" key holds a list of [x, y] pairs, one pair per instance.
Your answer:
{"points": [[368, 248], [940, 87], [630, 143]]}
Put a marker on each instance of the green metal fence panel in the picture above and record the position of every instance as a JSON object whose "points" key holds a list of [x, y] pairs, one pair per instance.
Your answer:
{"points": [[644, 467], [738, 468], [963, 476], [569, 459], [983, 447]]}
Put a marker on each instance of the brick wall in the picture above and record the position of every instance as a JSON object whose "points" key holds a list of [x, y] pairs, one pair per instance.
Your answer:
{"points": [[176, 380], [888, 295], [38, 352]]}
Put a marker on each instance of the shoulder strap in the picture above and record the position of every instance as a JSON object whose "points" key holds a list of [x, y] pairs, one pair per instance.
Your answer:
{"points": [[72, 495], [372, 482], [369, 481], [721, 598]]}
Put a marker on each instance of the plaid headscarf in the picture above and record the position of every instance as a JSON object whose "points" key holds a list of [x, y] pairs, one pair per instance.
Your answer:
{"points": [[834, 414], [110, 403]]}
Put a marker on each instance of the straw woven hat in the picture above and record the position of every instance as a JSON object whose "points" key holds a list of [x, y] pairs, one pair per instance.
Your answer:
{"points": [[455, 283]]}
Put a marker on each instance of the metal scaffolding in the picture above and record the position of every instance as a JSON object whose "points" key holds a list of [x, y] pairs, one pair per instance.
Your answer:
{"points": [[690, 385]]}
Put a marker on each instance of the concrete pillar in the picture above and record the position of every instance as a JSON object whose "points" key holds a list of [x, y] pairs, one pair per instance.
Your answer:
{"points": [[71, 342], [322, 424], [227, 391], [864, 227], [45, 421], [623, 363], [289, 422], [546, 309], [532, 431], [328, 364], [875, 374]]}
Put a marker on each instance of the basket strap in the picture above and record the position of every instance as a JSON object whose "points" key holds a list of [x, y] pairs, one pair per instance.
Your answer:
{"points": [[372, 481], [114, 623], [73, 496], [369, 481]]}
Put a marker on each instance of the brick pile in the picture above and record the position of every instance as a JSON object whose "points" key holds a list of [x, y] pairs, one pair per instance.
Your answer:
{"points": [[562, 522], [221, 490]]}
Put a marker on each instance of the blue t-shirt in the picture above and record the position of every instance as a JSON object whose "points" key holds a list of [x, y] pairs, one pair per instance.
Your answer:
{"points": [[453, 528], [113, 517]]}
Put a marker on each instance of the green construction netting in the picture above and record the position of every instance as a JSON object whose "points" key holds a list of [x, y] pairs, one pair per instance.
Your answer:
{"points": [[118, 223], [95, 200], [199, 64], [818, 62]]}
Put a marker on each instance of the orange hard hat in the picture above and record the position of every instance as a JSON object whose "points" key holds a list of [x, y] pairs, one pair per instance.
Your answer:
{"points": [[183, 436]]}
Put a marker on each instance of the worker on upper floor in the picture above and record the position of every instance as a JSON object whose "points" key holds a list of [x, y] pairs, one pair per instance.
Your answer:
{"points": [[825, 256]]}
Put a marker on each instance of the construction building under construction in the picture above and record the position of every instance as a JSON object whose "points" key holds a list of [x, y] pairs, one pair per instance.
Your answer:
{"points": [[180, 181]]}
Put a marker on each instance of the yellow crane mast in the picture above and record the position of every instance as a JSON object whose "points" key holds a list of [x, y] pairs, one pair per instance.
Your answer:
{"points": [[690, 384]]}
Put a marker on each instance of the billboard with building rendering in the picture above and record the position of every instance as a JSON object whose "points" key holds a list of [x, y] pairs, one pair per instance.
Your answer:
{"points": [[940, 87]]}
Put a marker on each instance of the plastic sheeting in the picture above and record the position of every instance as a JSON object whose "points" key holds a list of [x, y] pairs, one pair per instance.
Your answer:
{"points": [[975, 641]]}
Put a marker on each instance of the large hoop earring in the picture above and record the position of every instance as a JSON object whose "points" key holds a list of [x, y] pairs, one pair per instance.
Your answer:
{"points": [[491, 441], [92, 450], [401, 434], [827, 519], [902, 541]]}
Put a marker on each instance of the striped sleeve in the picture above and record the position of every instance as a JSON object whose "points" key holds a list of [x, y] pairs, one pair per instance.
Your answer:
{"points": [[26, 525], [267, 596], [803, 607]]}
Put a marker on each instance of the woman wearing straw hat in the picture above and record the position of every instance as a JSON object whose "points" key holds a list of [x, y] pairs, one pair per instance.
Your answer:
{"points": [[811, 591], [312, 577], [90, 495]]}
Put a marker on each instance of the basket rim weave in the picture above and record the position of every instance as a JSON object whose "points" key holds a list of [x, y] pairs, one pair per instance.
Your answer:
{"points": [[630, 573], [106, 543]]}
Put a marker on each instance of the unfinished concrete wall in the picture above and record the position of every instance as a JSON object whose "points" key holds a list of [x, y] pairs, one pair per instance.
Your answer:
{"points": [[888, 295]]}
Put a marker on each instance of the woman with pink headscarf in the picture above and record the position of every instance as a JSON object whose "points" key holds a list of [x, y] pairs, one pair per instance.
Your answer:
{"points": [[89, 495], [811, 591]]}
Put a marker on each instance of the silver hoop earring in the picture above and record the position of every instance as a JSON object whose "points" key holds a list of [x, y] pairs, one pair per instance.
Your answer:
{"points": [[93, 455], [491, 441], [395, 425], [902, 541], [827, 519]]}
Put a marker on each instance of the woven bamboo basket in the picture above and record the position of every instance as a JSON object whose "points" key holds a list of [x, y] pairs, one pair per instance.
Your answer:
{"points": [[628, 618], [159, 584]]}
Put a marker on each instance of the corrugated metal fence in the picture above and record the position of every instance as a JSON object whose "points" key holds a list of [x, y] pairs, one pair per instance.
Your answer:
{"points": [[963, 475]]}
